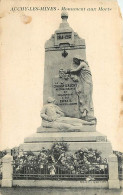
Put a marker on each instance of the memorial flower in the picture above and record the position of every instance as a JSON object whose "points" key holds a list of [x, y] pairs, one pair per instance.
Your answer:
{"points": [[59, 160]]}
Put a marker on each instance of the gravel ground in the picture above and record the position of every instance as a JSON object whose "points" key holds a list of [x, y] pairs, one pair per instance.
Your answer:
{"points": [[57, 191]]}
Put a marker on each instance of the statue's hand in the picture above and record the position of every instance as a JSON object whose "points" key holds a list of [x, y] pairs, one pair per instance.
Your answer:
{"points": [[72, 70], [50, 119]]}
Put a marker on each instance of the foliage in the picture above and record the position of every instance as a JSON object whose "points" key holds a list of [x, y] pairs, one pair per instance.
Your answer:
{"points": [[58, 159], [2, 154], [120, 158], [119, 155], [58, 149], [89, 160]]}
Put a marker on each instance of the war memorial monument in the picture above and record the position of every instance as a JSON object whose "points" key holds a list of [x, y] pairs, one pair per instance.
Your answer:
{"points": [[68, 112], [67, 150]]}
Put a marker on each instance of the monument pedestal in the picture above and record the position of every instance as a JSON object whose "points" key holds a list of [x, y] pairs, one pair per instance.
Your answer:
{"points": [[76, 140]]}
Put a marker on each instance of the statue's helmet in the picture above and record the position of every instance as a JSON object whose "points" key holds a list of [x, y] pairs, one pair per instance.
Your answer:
{"points": [[50, 99]]}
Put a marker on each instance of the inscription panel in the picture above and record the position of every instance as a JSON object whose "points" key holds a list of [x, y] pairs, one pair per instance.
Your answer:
{"points": [[64, 92], [61, 36], [64, 37]]}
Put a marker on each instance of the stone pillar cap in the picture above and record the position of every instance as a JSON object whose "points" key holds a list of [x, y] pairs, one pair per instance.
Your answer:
{"points": [[7, 158], [112, 158], [64, 15]]}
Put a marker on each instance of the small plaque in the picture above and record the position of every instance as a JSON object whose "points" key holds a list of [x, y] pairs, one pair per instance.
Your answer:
{"points": [[67, 35], [101, 139], [64, 38], [65, 94]]}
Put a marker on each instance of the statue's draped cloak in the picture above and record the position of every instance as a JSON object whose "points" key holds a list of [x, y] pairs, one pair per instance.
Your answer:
{"points": [[84, 89]]}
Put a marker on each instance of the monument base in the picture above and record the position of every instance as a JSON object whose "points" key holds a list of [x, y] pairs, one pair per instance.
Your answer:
{"points": [[84, 128], [75, 140], [114, 184], [6, 183]]}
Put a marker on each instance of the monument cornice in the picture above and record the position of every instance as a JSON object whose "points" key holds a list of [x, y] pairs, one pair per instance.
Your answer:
{"points": [[66, 48]]}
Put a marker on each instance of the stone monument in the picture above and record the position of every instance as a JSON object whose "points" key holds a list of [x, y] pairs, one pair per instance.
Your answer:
{"points": [[67, 113]]}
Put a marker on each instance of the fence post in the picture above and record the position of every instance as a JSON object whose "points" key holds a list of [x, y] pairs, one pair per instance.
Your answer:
{"points": [[113, 172], [7, 170], [121, 172]]}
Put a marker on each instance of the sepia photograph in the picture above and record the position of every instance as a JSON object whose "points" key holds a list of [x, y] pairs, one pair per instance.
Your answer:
{"points": [[61, 105]]}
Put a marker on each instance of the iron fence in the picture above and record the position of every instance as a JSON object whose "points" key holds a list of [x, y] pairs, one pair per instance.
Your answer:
{"points": [[57, 172], [120, 170], [121, 174], [0, 171]]}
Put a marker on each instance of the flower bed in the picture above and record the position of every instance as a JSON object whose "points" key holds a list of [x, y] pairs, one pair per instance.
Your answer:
{"points": [[58, 162]]}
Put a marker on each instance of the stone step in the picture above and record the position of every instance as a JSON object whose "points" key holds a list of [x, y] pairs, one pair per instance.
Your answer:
{"points": [[84, 128], [66, 136]]}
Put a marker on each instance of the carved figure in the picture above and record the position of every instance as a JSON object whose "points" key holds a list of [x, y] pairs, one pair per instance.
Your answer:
{"points": [[53, 117], [82, 75]]}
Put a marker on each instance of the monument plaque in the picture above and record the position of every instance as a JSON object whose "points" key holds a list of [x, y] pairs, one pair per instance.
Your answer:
{"points": [[64, 92]]}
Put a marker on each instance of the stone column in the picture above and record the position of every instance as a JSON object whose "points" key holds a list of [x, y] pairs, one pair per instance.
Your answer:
{"points": [[113, 172], [7, 170]]}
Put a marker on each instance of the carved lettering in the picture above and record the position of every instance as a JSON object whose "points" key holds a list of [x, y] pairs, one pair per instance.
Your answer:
{"points": [[61, 36], [65, 94]]}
